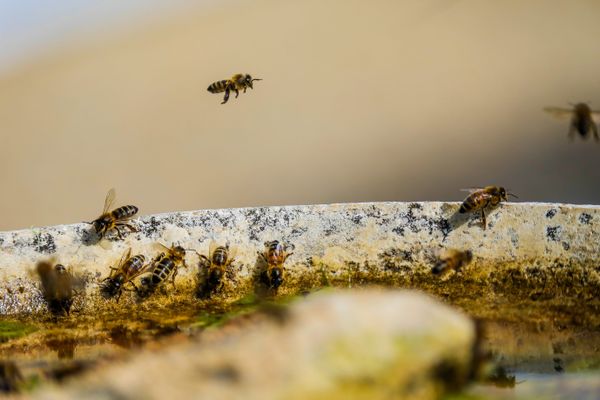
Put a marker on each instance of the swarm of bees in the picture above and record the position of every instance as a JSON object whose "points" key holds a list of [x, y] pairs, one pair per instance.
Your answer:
{"points": [[583, 119], [235, 83]]}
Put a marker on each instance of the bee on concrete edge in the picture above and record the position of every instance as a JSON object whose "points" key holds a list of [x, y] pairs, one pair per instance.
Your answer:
{"points": [[235, 83], [164, 266], [481, 198], [274, 255], [216, 264], [452, 260], [129, 268], [114, 219], [57, 287]]}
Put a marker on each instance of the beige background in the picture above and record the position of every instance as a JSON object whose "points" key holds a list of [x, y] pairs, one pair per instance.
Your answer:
{"points": [[361, 101]]}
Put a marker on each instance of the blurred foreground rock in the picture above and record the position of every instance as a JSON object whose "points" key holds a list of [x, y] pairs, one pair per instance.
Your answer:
{"points": [[363, 344]]}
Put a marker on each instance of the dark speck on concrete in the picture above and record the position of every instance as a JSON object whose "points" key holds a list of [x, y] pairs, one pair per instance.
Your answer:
{"points": [[585, 218], [44, 243], [551, 213], [399, 230], [566, 246], [553, 233], [356, 219]]}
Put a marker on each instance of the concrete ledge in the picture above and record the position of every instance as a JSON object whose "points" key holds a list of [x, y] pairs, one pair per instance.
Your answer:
{"points": [[527, 246]]}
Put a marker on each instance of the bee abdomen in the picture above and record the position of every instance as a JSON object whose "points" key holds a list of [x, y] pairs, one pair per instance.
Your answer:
{"points": [[469, 204], [162, 271], [220, 256], [439, 267], [124, 212], [218, 86]]}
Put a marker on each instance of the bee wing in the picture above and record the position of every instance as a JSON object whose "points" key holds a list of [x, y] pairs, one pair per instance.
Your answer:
{"points": [[232, 252], [146, 268], [596, 116], [445, 254], [212, 246], [125, 257], [109, 200], [561, 113], [471, 190]]}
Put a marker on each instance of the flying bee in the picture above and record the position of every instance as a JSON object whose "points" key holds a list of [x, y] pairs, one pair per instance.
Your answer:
{"points": [[114, 219], [274, 255], [219, 258], [57, 287], [236, 83], [481, 198], [164, 266], [583, 119], [452, 259], [127, 270]]}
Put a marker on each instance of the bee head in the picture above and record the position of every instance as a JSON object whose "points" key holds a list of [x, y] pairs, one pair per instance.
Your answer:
{"points": [[502, 193], [249, 81], [59, 268]]}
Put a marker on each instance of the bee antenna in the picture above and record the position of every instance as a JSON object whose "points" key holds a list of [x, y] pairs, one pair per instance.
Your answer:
{"points": [[256, 79], [513, 195]]}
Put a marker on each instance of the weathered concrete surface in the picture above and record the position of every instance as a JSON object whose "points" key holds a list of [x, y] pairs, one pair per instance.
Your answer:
{"points": [[534, 248], [365, 344]]}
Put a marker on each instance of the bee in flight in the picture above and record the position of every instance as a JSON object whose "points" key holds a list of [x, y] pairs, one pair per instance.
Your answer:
{"points": [[274, 255], [583, 119], [236, 83], [452, 259], [127, 270], [114, 219], [482, 198], [219, 258], [164, 266], [57, 287]]}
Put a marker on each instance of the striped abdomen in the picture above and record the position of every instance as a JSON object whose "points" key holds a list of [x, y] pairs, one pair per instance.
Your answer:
{"points": [[124, 212], [275, 276], [218, 86], [220, 256], [275, 252], [162, 270], [133, 265], [475, 201]]}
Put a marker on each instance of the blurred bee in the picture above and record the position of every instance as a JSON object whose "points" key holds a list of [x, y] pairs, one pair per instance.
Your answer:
{"points": [[583, 119], [236, 83], [219, 258], [57, 287], [164, 266], [481, 198], [274, 255], [126, 271], [115, 218], [452, 259]]}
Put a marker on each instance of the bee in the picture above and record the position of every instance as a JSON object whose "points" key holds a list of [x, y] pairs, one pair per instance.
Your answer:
{"points": [[219, 258], [115, 218], [57, 287], [481, 198], [274, 255], [164, 266], [583, 119], [236, 83], [452, 259], [127, 270]]}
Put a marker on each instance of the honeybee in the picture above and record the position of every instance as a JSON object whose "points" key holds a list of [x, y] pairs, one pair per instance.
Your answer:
{"points": [[481, 198], [583, 119], [274, 255], [219, 258], [165, 265], [115, 218], [127, 270], [236, 83], [57, 287], [452, 259]]}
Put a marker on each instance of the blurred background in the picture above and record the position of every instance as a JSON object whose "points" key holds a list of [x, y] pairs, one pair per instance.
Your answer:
{"points": [[361, 101]]}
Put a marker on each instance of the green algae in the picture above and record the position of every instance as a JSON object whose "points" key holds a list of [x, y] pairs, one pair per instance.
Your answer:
{"points": [[14, 329]]}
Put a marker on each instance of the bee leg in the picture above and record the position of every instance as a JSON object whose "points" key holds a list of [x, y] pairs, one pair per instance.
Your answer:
{"points": [[595, 131], [128, 226], [262, 255], [483, 218], [119, 295], [119, 232], [226, 96], [237, 93]]}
